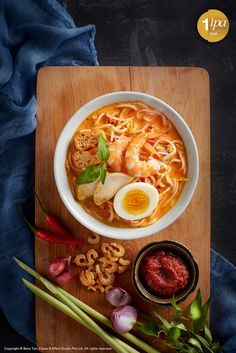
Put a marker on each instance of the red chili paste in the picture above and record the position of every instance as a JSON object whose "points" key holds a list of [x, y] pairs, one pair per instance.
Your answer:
{"points": [[165, 273]]}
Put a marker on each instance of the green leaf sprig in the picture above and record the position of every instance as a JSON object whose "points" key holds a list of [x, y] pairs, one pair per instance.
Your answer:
{"points": [[184, 335], [93, 172], [103, 150]]}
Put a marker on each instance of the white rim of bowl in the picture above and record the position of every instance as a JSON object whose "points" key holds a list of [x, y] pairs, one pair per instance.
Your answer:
{"points": [[74, 207]]}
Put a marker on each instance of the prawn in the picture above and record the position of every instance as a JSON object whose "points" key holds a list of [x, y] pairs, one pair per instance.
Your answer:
{"points": [[134, 165], [116, 149]]}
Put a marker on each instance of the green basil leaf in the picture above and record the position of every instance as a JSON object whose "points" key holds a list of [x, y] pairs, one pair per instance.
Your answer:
{"points": [[195, 343], [182, 347], [174, 333], [199, 324], [145, 329], [165, 324], [103, 173], [89, 175], [181, 326], [195, 308], [204, 343], [189, 349], [178, 310], [199, 297], [207, 334], [152, 323], [103, 150], [205, 310]]}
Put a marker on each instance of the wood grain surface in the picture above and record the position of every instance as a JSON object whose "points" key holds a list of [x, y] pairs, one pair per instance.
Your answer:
{"points": [[60, 92]]}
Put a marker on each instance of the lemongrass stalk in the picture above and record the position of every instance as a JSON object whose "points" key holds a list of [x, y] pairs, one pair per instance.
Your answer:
{"points": [[67, 311], [51, 300], [100, 317], [27, 268], [83, 316]]}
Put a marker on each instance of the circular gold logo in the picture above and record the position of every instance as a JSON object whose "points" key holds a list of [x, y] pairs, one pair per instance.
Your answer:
{"points": [[213, 25]]}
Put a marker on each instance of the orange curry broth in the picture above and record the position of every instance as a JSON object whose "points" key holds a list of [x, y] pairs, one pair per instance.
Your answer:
{"points": [[88, 123]]}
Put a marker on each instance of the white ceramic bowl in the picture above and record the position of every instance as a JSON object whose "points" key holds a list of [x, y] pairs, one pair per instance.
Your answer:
{"points": [[61, 179]]}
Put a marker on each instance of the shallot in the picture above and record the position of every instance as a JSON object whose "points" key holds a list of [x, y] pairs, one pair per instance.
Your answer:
{"points": [[118, 297], [60, 269], [124, 318]]}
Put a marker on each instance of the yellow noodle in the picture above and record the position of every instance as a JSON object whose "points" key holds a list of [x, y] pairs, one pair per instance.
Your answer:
{"points": [[119, 120]]}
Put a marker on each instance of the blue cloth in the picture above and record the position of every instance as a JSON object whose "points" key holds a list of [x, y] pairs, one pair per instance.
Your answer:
{"points": [[34, 33], [223, 302]]}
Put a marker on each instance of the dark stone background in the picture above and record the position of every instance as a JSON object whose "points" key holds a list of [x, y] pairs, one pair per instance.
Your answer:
{"points": [[163, 33]]}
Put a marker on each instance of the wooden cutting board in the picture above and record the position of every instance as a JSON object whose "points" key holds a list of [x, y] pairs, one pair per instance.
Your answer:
{"points": [[60, 93]]}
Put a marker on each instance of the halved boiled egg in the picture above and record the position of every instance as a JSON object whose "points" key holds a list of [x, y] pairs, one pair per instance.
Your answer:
{"points": [[136, 200]]}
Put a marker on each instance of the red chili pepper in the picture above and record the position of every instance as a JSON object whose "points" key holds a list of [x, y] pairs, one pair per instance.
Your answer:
{"points": [[53, 221], [49, 236]]}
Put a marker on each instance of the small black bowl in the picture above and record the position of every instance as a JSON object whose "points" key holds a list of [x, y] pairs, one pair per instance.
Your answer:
{"points": [[182, 253]]}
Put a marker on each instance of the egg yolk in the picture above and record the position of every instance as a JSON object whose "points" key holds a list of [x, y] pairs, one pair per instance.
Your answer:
{"points": [[136, 202]]}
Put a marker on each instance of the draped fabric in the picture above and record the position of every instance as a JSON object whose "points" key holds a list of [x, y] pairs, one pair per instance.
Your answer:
{"points": [[34, 33]]}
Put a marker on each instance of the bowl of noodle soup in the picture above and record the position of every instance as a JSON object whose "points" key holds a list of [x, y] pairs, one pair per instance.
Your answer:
{"points": [[146, 180]]}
